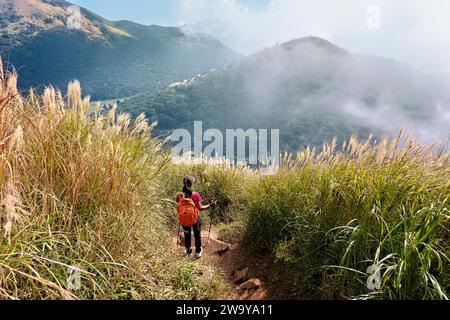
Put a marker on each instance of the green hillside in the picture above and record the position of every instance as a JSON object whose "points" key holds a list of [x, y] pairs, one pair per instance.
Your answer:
{"points": [[111, 59], [310, 89]]}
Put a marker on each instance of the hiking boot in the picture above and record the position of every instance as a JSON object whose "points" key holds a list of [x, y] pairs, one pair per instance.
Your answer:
{"points": [[198, 255]]}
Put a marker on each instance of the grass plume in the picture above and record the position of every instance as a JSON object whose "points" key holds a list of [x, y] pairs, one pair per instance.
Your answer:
{"points": [[81, 190]]}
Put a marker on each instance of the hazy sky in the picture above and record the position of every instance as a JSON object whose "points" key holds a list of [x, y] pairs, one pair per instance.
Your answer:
{"points": [[413, 31]]}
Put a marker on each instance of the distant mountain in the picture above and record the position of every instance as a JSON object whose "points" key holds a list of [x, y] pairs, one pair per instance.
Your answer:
{"points": [[111, 59], [311, 90]]}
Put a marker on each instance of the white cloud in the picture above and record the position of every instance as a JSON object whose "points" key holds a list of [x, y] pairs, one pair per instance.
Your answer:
{"points": [[413, 31]]}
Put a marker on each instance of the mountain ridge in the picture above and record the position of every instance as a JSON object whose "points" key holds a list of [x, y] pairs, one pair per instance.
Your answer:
{"points": [[310, 89], [111, 58]]}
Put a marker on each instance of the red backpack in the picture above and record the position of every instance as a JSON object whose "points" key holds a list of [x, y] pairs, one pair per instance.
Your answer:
{"points": [[187, 211]]}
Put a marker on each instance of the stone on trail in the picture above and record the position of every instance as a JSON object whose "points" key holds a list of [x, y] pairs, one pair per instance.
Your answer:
{"points": [[240, 275], [216, 247], [222, 248], [250, 284]]}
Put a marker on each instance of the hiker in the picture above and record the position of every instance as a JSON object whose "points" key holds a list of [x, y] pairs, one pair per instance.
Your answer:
{"points": [[189, 205]]}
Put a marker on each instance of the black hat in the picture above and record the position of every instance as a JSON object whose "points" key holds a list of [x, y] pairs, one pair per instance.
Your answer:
{"points": [[188, 181]]}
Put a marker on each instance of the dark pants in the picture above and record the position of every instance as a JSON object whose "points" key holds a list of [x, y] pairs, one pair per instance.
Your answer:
{"points": [[197, 235]]}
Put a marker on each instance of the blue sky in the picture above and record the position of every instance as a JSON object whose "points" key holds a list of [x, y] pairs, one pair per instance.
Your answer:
{"points": [[143, 11], [161, 12], [412, 31]]}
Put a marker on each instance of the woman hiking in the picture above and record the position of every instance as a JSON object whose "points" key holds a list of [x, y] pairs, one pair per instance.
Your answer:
{"points": [[189, 205]]}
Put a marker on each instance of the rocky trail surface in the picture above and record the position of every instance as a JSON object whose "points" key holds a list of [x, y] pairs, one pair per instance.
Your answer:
{"points": [[250, 276]]}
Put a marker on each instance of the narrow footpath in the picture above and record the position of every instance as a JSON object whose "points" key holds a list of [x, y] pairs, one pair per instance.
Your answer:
{"points": [[250, 276]]}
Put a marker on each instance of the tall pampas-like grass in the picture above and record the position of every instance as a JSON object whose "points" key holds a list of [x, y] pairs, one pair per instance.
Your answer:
{"points": [[79, 190], [328, 216]]}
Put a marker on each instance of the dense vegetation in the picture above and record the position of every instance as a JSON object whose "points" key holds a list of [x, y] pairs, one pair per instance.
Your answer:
{"points": [[83, 191], [330, 216], [92, 191], [326, 218]]}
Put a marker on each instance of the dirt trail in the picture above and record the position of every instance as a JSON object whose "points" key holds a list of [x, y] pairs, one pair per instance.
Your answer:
{"points": [[251, 276]]}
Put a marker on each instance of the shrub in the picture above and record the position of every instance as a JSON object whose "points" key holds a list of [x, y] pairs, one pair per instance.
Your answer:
{"points": [[215, 180], [327, 217], [81, 191]]}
